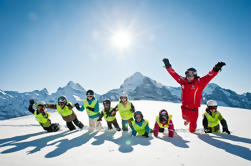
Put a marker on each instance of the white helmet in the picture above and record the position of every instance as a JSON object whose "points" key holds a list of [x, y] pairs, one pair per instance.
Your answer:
{"points": [[124, 94], [212, 103]]}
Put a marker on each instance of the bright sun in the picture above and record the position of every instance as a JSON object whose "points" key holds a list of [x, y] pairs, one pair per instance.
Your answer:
{"points": [[121, 40]]}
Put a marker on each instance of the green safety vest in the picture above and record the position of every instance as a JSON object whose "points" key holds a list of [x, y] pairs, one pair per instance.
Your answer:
{"points": [[140, 129], [108, 118], [44, 121], [65, 111], [160, 124], [92, 105], [212, 120], [125, 112]]}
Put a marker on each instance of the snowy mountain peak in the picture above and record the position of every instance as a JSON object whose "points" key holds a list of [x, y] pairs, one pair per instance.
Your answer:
{"points": [[132, 82], [75, 86]]}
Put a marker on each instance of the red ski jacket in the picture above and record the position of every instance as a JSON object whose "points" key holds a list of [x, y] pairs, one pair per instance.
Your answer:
{"points": [[156, 129], [191, 91]]}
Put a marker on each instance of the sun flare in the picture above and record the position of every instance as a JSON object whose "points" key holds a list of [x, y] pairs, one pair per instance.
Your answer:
{"points": [[121, 39]]}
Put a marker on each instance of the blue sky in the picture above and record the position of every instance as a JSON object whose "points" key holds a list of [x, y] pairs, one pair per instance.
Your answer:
{"points": [[45, 44]]}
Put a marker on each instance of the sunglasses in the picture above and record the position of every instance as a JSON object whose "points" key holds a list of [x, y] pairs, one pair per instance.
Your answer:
{"points": [[61, 103], [138, 117], [89, 96]]}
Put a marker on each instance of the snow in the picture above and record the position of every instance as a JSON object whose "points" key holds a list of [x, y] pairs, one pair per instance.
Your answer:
{"points": [[23, 142], [132, 82]]}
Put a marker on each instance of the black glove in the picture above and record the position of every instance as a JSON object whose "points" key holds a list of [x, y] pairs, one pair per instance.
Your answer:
{"points": [[207, 130], [89, 108], [145, 134], [225, 130], [77, 106], [218, 66], [32, 101], [167, 63], [99, 120]]}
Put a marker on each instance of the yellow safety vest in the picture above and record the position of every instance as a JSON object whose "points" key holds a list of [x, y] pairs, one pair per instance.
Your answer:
{"points": [[92, 105], [108, 118], [42, 119], [125, 112], [212, 120], [161, 125], [65, 111], [140, 129]]}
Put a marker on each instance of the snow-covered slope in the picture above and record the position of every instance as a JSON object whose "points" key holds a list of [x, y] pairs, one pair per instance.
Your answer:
{"points": [[23, 142]]}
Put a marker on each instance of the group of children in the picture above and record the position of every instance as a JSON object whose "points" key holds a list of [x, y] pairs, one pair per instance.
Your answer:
{"points": [[135, 119]]}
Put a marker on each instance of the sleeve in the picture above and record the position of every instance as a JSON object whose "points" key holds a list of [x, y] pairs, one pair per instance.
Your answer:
{"points": [[147, 129], [31, 109], [51, 106], [82, 108], [207, 78], [115, 108], [69, 105], [101, 115], [224, 124], [134, 132], [171, 129], [205, 122], [176, 76], [132, 108], [156, 129]]}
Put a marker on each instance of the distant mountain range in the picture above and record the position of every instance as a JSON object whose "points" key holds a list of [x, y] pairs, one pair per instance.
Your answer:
{"points": [[138, 87]]}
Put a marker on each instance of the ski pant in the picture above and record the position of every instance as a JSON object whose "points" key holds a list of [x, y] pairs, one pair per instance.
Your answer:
{"points": [[114, 123], [124, 125], [76, 122], [95, 124], [191, 117], [52, 128]]}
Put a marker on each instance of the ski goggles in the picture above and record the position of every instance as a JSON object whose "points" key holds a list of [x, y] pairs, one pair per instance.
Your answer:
{"points": [[61, 103], [138, 117], [212, 107], [163, 113], [190, 74], [89, 96]]}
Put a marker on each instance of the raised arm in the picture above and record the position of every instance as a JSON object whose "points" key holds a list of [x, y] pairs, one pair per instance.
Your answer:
{"points": [[31, 109], [172, 72]]}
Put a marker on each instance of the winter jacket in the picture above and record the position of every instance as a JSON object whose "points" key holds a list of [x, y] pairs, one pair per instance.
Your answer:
{"points": [[140, 127], [191, 91], [96, 108], [169, 125], [126, 111]]}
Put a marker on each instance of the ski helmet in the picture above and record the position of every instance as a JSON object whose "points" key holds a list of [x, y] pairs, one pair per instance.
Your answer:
{"points": [[90, 93], [212, 104], [41, 103], [137, 115], [107, 102], [163, 113], [123, 94], [62, 99], [191, 72]]}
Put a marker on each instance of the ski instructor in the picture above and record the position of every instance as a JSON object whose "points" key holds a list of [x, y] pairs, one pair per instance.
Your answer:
{"points": [[191, 90]]}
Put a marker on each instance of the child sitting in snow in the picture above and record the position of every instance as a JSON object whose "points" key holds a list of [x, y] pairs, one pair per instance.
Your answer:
{"points": [[212, 117], [164, 124], [140, 126], [110, 115]]}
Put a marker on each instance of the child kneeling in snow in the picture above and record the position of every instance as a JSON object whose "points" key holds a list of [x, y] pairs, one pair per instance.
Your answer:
{"points": [[140, 126], [212, 117], [42, 116], [164, 124], [110, 115]]}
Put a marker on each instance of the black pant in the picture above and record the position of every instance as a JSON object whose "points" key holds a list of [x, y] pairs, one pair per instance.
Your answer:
{"points": [[76, 122], [114, 123], [124, 127], [52, 128]]}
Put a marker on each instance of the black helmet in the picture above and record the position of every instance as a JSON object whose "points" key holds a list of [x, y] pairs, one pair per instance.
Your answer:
{"points": [[62, 99], [89, 93], [108, 102], [138, 114], [191, 72]]}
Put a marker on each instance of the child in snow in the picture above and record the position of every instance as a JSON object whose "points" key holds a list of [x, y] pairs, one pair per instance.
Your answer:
{"points": [[110, 115], [65, 110], [92, 109], [164, 124], [212, 117], [191, 90], [126, 110], [42, 116], [140, 126]]}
